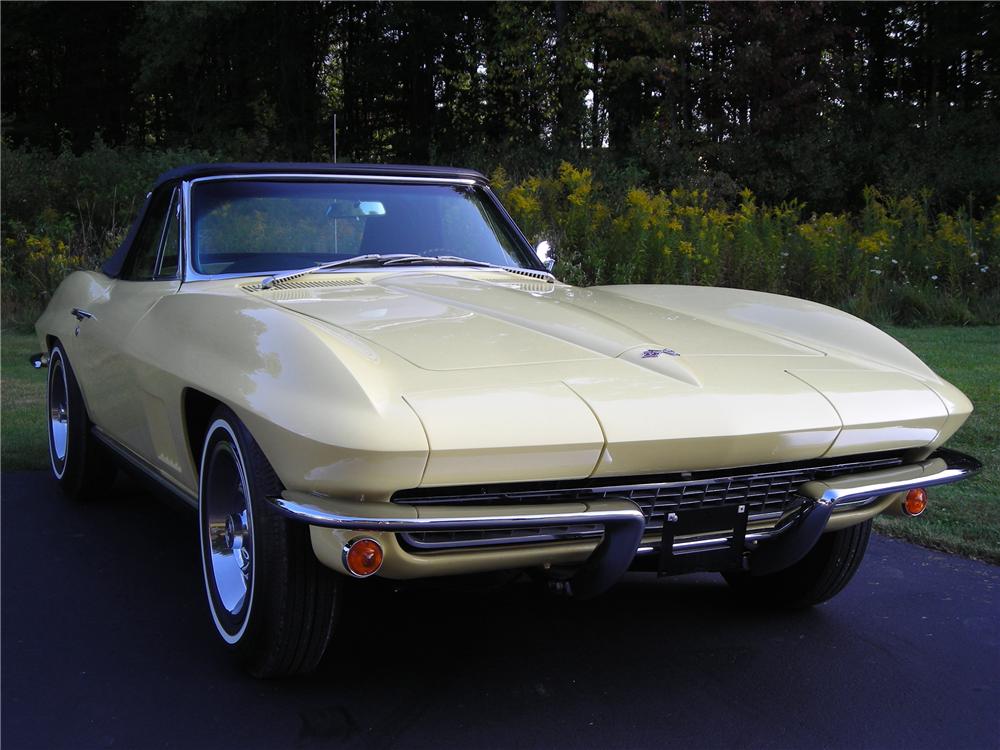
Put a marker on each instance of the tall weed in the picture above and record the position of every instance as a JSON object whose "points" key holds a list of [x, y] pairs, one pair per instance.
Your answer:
{"points": [[894, 261], [61, 212]]}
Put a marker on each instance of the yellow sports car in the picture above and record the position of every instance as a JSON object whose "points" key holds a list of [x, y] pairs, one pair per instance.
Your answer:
{"points": [[368, 371]]}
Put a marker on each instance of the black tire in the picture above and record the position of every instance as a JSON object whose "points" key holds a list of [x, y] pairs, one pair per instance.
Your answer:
{"points": [[285, 618], [78, 461], [817, 577]]}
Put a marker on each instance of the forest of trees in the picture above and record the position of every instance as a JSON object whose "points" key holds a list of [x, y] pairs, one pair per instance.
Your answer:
{"points": [[811, 101], [846, 152]]}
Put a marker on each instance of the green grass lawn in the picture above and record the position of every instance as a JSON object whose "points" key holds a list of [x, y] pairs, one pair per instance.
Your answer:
{"points": [[22, 405], [963, 518]]}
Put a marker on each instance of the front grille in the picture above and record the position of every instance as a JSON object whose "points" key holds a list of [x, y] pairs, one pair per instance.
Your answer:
{"points": [[769, 492]]}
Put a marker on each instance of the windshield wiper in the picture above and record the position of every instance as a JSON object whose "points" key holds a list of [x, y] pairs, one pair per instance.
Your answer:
{"points": [[373, 259], [440, 260], [454, 260], [394, 259]]}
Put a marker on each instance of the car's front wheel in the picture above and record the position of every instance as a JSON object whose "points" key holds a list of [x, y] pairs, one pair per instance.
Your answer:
{"points": [[79, 463], [817, 577], [271, 600]]}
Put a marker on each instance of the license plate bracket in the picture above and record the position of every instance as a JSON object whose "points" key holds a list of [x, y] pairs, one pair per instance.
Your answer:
{"points": [[728, 522]]}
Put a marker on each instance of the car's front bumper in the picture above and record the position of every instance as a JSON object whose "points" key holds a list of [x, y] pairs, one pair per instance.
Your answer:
{"points": [[850, 498]]}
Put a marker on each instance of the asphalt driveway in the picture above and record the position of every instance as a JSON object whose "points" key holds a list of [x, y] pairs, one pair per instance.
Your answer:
{"points": [[107, 642]]}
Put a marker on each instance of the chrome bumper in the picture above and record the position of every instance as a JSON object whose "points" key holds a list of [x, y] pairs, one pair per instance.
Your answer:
{"points": [[790, 543], [624, 522]]}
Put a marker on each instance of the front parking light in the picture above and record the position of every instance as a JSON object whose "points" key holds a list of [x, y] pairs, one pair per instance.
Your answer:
{"points": [[915, 502], [362, 557]]}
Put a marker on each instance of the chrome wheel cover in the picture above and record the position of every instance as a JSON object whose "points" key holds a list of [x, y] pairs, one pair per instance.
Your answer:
{"points": [[58, 408], [227, 541]]}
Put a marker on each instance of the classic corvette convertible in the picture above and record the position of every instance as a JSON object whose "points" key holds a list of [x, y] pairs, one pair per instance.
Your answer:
{"points": [[368, 371]]}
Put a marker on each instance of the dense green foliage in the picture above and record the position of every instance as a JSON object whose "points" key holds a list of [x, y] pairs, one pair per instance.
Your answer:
{"points": [[67, 211], [892, 260], [800, 147]]}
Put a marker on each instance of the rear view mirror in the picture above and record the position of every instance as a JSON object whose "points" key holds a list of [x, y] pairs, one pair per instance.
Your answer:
{"points": [[340, 209]]}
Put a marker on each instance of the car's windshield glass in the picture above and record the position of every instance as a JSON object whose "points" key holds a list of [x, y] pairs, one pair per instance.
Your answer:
{"points": [[269, 226]]}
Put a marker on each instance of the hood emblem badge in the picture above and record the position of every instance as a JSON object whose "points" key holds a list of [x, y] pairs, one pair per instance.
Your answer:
{"points": [[650, 353]]}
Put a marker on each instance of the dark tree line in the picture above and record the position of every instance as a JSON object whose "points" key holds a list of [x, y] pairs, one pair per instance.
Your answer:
{"points": [[805, 100]]}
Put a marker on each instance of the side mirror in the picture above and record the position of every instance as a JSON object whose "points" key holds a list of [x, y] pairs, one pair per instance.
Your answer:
{"points": [[546, 254]]}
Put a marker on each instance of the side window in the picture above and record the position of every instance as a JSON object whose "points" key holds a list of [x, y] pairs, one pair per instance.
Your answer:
{"points": [[141, 261], [171, 241]]}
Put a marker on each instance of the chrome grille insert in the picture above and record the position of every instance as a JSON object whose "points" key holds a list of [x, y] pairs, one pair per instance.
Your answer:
{"points": [[770, 492]]}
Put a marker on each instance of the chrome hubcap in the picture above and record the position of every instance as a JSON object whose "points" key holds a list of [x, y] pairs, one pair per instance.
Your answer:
{"points": [[236, 539], [58, 410], [230, 529]]}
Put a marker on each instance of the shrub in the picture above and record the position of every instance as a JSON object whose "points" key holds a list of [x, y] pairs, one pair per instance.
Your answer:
{"points": [[894, 261], [64, 211]]}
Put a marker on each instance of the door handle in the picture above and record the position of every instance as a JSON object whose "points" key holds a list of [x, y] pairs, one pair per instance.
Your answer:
{"points": [[81, 314]]}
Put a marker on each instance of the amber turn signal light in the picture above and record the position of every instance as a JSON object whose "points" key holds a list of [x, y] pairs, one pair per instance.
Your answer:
{"points": [[915, 502], [362, 557]]}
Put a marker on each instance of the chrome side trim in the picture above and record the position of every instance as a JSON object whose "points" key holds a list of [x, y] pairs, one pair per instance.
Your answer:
{"points": [[140, 464]]}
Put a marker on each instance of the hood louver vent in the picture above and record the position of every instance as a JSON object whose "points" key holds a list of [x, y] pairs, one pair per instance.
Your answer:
{"points": [[538, 288], [307, 284], [540, 275]]}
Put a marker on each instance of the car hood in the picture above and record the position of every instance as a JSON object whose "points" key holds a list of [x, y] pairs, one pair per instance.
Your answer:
{"points": [[452, 322], [564, 381]]}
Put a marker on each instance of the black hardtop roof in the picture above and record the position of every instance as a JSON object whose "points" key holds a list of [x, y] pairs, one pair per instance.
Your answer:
{"points": [[192, 171]]}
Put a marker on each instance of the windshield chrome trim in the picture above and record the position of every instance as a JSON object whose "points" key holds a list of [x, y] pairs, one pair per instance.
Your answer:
{"points": [[189, 272], [323, 177], [510, 219]]}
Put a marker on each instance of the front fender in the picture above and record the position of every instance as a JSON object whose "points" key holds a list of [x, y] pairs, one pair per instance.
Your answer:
{"points": [[79, 289], [320, 402]]}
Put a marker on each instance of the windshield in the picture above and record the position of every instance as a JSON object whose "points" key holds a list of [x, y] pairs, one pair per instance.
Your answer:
{"points": [[268, 226]]}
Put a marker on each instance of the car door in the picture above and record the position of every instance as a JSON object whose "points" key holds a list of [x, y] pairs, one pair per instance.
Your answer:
{"points": [[117, 401]]}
